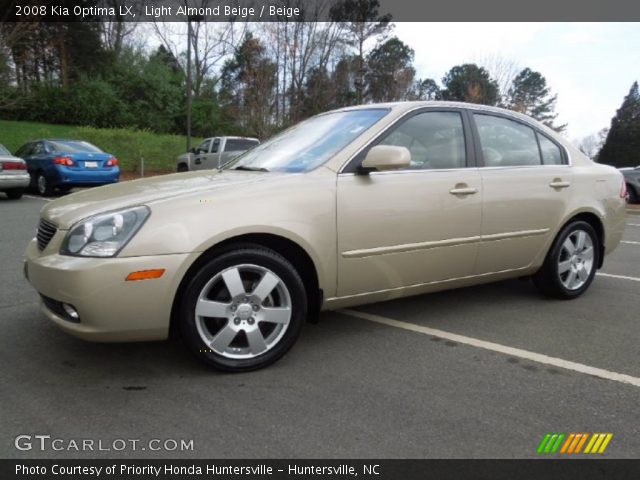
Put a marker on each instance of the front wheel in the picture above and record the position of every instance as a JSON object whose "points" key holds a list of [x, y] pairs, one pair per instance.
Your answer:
{"points": [[243, 310], [571, 263]]}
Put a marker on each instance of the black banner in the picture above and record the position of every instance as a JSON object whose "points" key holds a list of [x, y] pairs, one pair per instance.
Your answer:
{"points": [[542, 469], [314, 10]]}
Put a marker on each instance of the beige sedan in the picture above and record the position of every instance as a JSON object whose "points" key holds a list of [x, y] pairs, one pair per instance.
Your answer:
{"points": [[354, 206]]}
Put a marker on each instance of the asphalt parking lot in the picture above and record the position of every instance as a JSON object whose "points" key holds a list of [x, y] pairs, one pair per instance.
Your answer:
{"points": [[351, 387]]}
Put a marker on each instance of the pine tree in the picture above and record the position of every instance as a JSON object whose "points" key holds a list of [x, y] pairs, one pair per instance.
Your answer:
{"points": [[470, 83], [622, 146], [529, 94]]}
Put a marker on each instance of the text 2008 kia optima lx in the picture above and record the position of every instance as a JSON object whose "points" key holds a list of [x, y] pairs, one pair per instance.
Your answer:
{"points": [[353, 206]]}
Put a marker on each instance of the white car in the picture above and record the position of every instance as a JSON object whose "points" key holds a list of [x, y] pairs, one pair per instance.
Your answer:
{"points": [[214, 152], [14, 178]]}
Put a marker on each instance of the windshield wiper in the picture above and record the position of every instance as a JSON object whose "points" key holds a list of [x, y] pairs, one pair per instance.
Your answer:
{"points": [[251, 169]]}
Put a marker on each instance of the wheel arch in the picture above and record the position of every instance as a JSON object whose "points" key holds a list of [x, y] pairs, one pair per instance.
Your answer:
{"points": [[286, 247], [594, 220]]}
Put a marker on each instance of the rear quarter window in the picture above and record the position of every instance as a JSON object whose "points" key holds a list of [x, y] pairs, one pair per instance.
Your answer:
{"points": [[234, 144]]}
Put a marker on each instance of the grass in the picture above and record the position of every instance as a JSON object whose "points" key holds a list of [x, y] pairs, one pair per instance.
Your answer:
{"points": [[129, 146]]}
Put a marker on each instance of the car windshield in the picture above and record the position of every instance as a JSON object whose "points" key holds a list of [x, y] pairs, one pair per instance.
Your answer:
{"points": [[4, 151], [308, 144], [73, 146]]}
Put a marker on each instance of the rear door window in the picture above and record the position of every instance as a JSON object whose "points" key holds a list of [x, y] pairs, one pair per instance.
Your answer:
{"points": [[506, 143], [237, 144]]}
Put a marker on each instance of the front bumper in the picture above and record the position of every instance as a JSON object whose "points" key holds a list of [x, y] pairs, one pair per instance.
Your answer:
{"points": [[9, 182], [110, 309]]}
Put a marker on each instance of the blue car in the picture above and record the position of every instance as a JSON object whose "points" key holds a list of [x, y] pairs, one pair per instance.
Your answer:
{"points": [[63, 164]]}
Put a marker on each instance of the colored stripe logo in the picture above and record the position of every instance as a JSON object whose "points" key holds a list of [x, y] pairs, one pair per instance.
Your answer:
{"points": [[573, 443]]}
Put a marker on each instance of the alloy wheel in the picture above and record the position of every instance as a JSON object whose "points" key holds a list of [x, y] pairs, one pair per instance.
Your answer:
{"points": [[575, 262], [243, 311]]}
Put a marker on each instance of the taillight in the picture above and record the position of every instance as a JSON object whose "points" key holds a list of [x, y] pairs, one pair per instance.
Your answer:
{"points": [[112, 162], [66, 161], [14, 166], [623, 189]]}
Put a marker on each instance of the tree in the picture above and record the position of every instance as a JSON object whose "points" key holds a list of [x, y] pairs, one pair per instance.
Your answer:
{"points": [[529, 94], [343, 79], [390, 72], [590, 145], [318, 92], [470, 83], [502, 69], [248, 83], [362, 21], [426, 89], [622, 146]]}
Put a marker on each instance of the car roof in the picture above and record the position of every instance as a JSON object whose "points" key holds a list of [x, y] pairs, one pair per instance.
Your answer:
{"points": [[410, 105]]}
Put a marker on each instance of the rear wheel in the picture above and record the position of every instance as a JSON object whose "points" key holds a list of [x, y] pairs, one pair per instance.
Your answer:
{"points": [[43, 186], [15, 193], [633, 195], [571, 263], [182, 168], [243, 309]]}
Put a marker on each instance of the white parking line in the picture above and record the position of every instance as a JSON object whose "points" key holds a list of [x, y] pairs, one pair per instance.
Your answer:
{"points": [[633, 224], [496, 347], [630, 242], [38, 198], [621, 277]]}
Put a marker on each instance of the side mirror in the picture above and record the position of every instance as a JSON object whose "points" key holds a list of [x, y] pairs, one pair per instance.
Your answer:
{"points": [[386, 157], [193, 150]]}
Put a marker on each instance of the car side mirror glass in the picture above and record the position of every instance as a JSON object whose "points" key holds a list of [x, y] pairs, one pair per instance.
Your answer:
{"points": [[386, 157]]}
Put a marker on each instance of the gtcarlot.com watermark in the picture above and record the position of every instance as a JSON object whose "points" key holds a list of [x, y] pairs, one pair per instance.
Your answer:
{"points": [[42, 443]]}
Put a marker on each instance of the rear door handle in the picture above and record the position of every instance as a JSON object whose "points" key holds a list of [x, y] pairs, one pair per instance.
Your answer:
{"points": [[557, 183], [463, 191]]}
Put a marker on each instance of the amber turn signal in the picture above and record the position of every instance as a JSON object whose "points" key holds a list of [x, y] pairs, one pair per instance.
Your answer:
{"points": [[145, 274]]}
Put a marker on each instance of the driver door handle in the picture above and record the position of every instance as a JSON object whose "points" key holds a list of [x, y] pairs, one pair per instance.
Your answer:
{"points": [[558, 183], [463, 191]]}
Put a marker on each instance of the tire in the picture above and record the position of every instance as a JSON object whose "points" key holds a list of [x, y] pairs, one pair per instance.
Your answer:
{"points": [[42, 185], [15, 193], [182, 168], [633, 195], [226, 310], [571, 263]]}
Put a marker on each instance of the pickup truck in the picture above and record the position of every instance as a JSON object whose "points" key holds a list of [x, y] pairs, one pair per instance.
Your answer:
{"points": [[214, 152], [632, 179]]}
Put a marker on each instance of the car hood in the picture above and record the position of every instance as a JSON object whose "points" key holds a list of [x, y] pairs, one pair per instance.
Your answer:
{"points": [[66, 211]]}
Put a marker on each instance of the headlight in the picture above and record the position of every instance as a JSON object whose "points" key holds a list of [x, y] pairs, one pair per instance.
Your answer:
{"points": [[104, 235]]}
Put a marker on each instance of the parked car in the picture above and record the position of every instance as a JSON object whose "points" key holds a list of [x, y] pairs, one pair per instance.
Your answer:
{"points": [[214, 152], [632, 177], [63, 164], [357, 205], [13, 174]]}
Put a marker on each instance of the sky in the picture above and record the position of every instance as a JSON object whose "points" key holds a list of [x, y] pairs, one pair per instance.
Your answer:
{"points": [[590, 66]]}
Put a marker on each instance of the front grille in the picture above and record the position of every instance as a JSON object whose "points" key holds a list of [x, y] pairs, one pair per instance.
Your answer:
{"points": [[46, 231]]}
